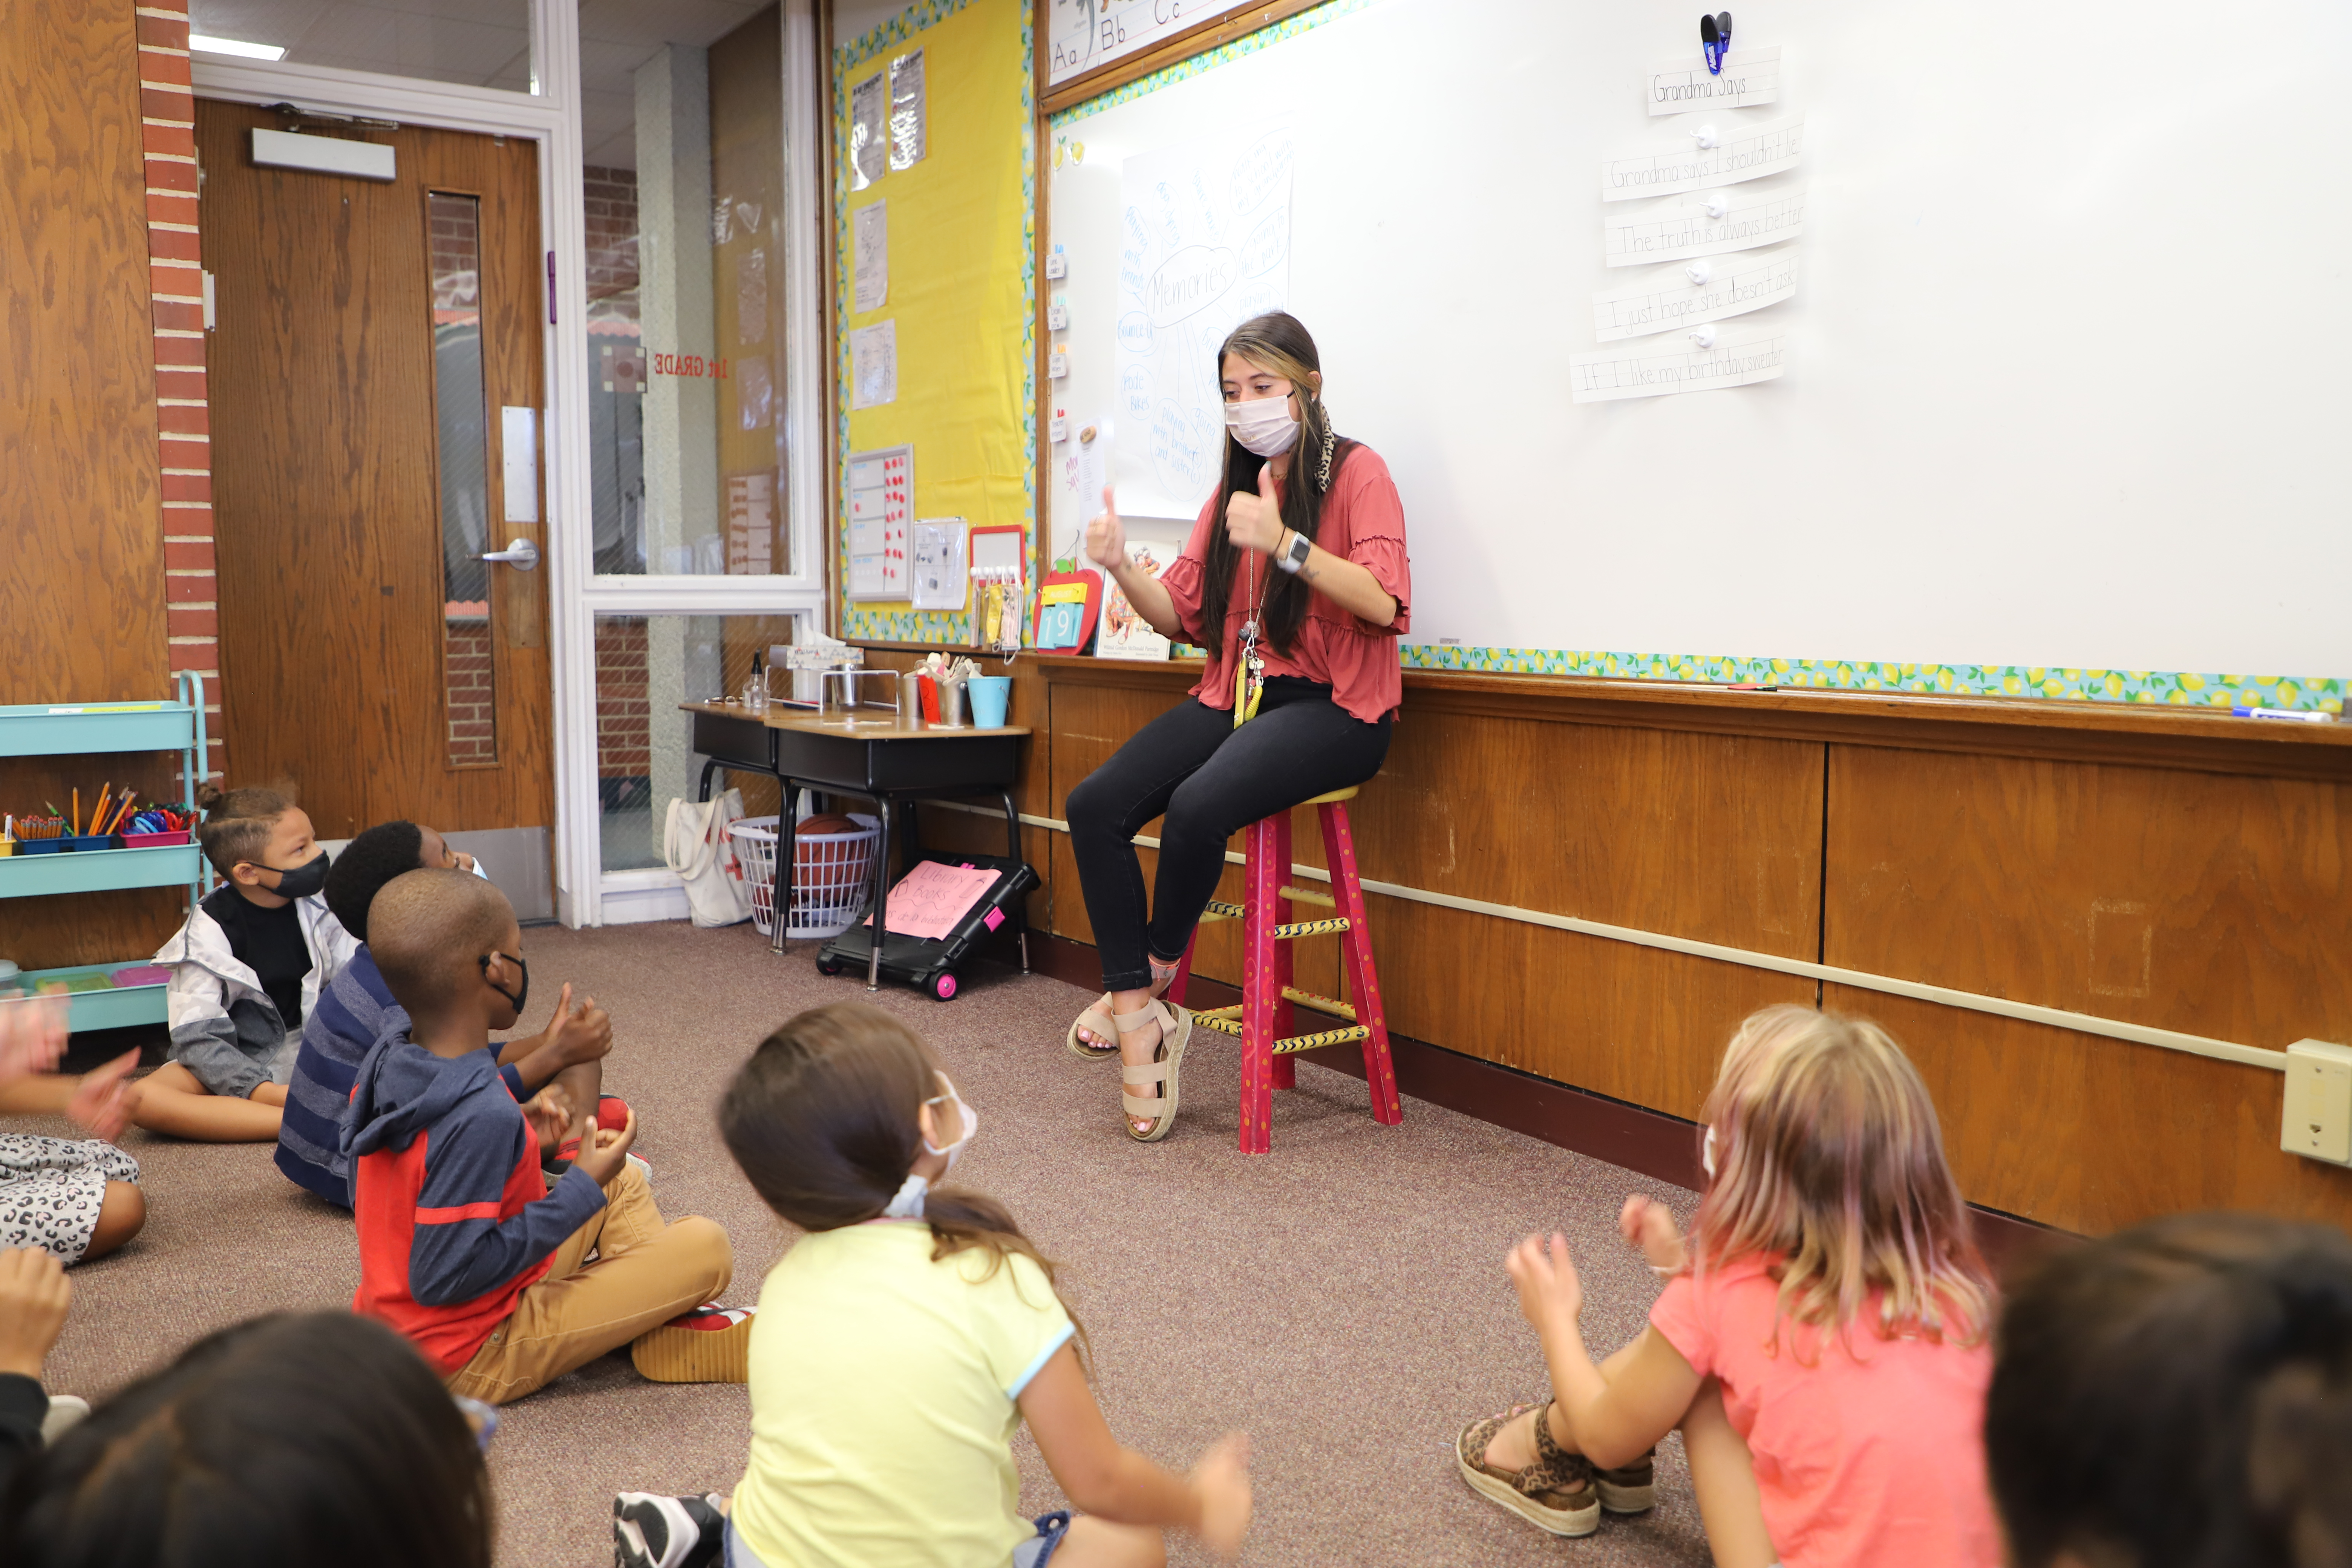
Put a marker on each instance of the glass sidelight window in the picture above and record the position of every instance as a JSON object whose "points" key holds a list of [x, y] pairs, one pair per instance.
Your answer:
{"points": [[683, 128], [467, 677], [646, 666]]}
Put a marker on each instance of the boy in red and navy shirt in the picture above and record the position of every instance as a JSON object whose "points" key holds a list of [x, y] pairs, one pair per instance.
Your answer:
{"points": [[464, 1247]]}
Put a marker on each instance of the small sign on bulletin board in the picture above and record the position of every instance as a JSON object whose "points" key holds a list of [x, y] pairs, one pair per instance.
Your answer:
{"points": [[940, 579], [881, 510]]}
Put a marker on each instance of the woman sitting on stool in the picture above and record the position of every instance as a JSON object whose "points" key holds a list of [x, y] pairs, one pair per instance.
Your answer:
{"points": [[1294, 580]]}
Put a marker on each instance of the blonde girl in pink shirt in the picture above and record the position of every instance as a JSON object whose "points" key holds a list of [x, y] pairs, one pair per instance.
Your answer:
{"points": [[1822, 1340]]}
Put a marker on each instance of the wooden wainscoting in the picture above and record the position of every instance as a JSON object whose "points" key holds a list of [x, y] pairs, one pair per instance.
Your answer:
{"points": [[81, 520], [2177, 870]]}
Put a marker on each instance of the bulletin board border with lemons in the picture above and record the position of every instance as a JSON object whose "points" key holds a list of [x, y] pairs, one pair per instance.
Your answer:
{"points": [[963, 253]]}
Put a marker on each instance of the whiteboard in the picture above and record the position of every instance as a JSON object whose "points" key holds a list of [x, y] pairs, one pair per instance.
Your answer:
{"points": [[2065, 381]]}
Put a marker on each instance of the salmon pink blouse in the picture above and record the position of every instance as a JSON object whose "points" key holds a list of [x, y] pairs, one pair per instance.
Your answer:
{"points": [[1362, 521]]}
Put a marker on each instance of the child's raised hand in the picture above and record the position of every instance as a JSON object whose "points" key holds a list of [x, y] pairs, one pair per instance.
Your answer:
{"points": [[1221, 1483], [32, 1036], [549, 1112], [1649, 1224], [34, 1296], [1550, 1295], [105, 1099], [603, 1151]]}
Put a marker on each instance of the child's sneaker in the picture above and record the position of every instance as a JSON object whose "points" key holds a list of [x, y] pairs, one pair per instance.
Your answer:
{"points": [[654, 1530], [1554, 1494], [710, 1344]]}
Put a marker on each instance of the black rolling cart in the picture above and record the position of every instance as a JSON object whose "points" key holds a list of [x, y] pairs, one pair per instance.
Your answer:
{"points": [[895, 765]]}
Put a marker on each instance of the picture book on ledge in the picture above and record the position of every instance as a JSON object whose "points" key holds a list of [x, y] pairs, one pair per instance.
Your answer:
{"points": [[1125, 634]]}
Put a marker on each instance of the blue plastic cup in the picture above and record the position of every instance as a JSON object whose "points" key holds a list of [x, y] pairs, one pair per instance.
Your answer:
{"points": [[988, 695]]}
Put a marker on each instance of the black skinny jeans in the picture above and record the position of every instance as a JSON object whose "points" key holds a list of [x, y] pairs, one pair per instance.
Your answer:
{"points": [[1211, 780]]}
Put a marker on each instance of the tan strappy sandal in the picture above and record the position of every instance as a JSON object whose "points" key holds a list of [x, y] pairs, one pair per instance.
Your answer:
{"points": [[1100, 1010], [1175, 1031]]}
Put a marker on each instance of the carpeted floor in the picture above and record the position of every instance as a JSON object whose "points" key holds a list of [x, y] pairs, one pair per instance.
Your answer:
{"points": [[1342, 1298]]}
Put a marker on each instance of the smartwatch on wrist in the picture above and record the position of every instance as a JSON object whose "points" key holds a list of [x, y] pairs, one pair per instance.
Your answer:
{"points": [[1292, 558]]}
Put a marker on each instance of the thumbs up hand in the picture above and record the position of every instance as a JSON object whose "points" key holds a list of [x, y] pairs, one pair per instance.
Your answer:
{"points": [[1106, 536], [1254, 522]]}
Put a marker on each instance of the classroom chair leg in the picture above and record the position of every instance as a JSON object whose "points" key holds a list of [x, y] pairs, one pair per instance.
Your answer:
{"points": [[1363, 976]]}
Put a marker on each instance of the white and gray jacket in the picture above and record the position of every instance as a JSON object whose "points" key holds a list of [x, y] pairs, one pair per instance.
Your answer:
{"points": [[224, 1028]]}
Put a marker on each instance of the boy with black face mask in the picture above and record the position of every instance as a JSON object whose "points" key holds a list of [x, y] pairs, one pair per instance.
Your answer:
{"points": [[246, 970]]}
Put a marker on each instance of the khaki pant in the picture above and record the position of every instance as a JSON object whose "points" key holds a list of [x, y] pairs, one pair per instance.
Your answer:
{"points": [[645, 1273]]}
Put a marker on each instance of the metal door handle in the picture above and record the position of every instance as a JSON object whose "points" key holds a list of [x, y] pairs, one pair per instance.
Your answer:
{"points": [[520, 553]]}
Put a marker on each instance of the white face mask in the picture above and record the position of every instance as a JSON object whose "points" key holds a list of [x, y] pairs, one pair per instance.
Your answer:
{"points": [[941, 1108], [1264, 426]]}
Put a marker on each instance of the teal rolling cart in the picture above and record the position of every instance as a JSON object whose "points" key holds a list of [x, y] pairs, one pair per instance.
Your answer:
{"points": [[86, 728]]}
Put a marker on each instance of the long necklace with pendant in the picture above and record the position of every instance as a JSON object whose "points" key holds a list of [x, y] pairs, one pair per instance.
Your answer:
{"points": [[1249, 674]]}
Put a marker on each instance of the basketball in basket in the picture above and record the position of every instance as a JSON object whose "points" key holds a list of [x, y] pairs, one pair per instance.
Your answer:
{"points": [[833, 856]]}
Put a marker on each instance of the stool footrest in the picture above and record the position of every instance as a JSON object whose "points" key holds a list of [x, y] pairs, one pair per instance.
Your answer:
{"points": [[1310, 896], [1227, 1021], [1320, 1003], [1297, 928], [1219, 910]]}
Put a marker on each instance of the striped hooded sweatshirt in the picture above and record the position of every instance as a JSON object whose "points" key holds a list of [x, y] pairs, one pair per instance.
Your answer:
{"points": [[455, 1218]]}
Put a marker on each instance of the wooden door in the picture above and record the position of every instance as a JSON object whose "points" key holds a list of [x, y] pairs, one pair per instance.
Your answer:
{"points": [[358, 371]]}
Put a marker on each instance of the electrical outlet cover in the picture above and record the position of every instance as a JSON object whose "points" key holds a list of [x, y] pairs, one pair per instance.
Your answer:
{"points": [[2317, 1122]]}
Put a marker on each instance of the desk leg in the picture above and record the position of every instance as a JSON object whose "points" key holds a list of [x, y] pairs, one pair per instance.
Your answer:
{"points": [[881, 898], [708, 767], [787, 852], [1012, 849]]}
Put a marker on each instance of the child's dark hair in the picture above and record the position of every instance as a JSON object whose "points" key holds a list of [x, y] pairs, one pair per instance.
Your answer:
{"points": [[237, 823], [388, 849], [2180, 1394], [285, 1441], [823, 1121]]}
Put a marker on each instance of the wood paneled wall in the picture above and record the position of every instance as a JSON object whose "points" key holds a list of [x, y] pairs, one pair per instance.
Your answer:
{"points": [[2173, 870], [83, 593]]}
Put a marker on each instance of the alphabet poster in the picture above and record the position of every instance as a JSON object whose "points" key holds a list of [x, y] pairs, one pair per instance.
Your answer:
{"points": [[1204, 244]]}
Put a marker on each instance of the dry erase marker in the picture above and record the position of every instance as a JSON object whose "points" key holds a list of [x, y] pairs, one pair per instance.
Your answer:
{"points": [[1749, 685], [2290, 716]]}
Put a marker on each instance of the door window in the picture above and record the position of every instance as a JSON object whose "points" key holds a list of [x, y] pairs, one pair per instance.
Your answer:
{"points": [[683, 131]]}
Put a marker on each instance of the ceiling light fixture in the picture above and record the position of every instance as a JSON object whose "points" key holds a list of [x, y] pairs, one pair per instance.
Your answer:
{"points": [[237, 46]]}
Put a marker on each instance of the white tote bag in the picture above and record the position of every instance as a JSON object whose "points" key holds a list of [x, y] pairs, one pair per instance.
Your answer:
{"points": [[696, 845]]}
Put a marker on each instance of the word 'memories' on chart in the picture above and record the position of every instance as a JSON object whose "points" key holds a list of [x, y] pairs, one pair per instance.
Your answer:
{"points": [[1742, 151], [1687, 294], [1750, 78], [1655, 366], [1676, 230], [1085, 34]]}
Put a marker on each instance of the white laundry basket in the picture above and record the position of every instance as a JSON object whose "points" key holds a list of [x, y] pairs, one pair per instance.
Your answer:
{"points": [[829, 875]]}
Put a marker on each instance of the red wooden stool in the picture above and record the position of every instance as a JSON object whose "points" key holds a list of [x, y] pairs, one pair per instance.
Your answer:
{"points": [[1263, 1019]]}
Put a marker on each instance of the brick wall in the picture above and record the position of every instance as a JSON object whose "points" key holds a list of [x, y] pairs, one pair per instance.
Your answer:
{"points": [[612, 196], [466, 665], [167, 109], [623, 718]]}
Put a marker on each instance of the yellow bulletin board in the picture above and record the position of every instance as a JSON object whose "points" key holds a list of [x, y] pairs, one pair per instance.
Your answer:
{"points": [[961, 286]]}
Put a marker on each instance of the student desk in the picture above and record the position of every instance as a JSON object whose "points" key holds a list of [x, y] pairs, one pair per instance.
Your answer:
{"points": [[891, 764]]}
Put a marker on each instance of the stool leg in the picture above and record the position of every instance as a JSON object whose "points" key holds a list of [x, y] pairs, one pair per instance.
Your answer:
{"points": [[1285, 1021], [1174, 994], [1364, 978], [1258, 992]]}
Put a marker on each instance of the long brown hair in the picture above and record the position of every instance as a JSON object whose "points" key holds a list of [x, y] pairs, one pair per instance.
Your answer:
{"points": [[824, 1122], [1828, 1159], [1278, 341]]}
